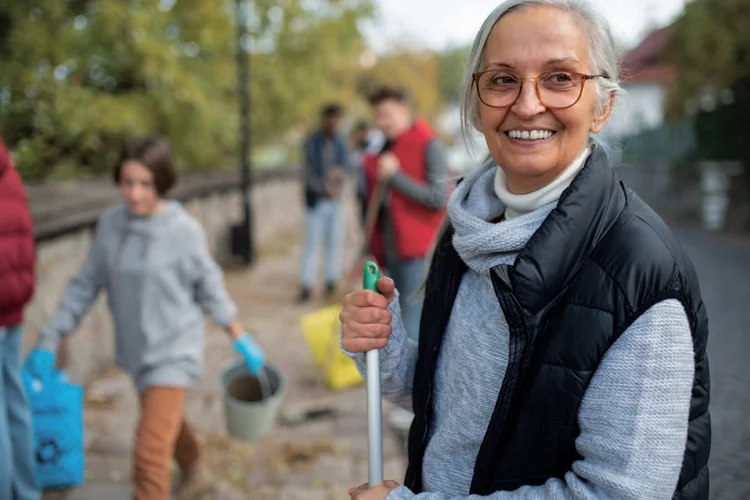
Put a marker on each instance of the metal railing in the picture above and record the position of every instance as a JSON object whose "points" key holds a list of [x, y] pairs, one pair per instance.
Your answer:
{"points": [[65, 207]]}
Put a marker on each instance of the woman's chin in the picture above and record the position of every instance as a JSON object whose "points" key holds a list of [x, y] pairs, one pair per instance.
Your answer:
{"points": [[526, 166], [536, 158]]}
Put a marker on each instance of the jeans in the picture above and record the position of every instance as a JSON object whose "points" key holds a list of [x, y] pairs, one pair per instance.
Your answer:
{"points": [[323, 221], [408, 276], [17, 481]]}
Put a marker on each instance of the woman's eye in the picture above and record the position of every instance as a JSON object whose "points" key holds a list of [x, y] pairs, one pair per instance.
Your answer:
{"points": [[502, 79]]}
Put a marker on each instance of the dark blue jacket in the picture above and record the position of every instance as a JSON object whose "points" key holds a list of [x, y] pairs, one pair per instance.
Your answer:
{"points": [[315, 170]]}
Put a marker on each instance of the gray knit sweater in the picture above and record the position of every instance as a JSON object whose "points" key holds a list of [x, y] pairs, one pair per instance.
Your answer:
{"points": [[159, 277], [634, 414]]}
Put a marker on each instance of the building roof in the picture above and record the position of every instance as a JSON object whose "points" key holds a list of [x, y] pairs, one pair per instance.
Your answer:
{"points": [[645, 64]]}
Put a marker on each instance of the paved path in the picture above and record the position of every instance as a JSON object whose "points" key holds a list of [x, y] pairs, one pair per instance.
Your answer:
{"points": [[723, 267]]}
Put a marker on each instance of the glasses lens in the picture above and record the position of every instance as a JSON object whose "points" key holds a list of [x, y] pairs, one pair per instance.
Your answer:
{"points": [[559, 89], [498, 88]]}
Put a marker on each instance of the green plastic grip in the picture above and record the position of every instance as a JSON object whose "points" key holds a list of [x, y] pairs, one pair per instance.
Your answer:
{"points": [[371, 276]]}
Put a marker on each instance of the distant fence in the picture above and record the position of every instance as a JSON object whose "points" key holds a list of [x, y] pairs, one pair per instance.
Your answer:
{"points": [[69, 206], [670, 142]]}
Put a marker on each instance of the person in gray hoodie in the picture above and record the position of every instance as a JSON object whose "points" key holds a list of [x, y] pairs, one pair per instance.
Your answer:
{"points": [[562, 345], [152, 259]]}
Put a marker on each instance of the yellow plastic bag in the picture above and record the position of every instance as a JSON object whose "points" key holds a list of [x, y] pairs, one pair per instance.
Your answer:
{"points": [[322, 329]]}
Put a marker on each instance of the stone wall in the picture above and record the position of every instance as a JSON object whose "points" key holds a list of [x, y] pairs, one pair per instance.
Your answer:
{"points": [[278, 214]]}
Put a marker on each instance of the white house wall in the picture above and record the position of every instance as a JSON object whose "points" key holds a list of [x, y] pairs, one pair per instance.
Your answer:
{"points": [[641, 108]]}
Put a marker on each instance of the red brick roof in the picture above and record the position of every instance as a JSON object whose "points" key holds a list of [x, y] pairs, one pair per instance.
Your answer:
{"points": [[644, 63]]}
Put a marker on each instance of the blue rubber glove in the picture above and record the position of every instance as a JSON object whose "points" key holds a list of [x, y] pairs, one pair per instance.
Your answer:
{"points": [[254, 356], [40, 363]]}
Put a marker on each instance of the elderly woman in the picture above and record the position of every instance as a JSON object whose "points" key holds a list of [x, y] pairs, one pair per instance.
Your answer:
{"points": [[562, 349]]}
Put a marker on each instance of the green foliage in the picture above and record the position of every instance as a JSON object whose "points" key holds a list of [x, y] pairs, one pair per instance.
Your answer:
{"points": [[451, 66], [433, 79], [721, 132], [710, 46], [81, 76], [415, 71]]}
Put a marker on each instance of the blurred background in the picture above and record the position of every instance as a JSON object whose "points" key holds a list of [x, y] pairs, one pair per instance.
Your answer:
{"points": [[80, 77]]}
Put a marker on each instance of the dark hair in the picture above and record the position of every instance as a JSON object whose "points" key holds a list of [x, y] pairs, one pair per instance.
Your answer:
{"points": [[389, 93], [331, 110], [362, 125], [155, 154]]}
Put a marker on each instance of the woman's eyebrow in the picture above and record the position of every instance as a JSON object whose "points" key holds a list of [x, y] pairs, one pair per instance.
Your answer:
{"points": [[550, 62], [500, 65]]}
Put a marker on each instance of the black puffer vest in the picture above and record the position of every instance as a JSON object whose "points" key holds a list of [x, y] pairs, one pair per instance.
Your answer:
{"points": [[598, 262]]}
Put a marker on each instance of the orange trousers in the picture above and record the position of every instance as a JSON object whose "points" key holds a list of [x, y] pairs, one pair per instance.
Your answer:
{"points": [[162, 434]]}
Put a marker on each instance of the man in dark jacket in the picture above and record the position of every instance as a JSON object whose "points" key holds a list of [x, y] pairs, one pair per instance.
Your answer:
{"points": [[17, 263], [325, 159]]}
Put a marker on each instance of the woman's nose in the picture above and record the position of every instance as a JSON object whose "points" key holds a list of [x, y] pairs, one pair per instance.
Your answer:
{"points": [[133, 193], [528, 103]]}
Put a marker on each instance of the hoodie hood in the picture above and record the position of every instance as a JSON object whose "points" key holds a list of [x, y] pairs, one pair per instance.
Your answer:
{"points": [[138, 231], [160, 221]]}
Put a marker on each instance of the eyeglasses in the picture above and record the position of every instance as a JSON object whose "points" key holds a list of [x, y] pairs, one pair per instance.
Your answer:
{"points": [[555, 89]]}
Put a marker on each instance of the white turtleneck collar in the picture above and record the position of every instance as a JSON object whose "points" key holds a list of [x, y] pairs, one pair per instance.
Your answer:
{"points": [[521, 204]]}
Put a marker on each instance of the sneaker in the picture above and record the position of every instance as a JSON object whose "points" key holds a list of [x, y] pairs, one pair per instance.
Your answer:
{"points": [[197, 483]]}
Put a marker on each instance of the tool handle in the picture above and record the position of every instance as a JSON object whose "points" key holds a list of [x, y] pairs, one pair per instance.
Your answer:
{"points": [[374, 402], [371, 215], [371, 276]]}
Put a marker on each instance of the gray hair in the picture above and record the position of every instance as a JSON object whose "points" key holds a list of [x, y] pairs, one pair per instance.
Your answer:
{"points": [[602, 51]]}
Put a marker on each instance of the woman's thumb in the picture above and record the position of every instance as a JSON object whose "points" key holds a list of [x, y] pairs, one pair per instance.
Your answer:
{"points": [[387, 287]]}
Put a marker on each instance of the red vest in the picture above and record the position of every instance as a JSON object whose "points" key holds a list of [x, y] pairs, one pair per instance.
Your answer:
{"points": [[415, 226], [17, 254]]}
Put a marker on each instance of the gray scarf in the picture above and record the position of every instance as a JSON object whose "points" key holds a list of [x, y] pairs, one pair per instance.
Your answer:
{"points": [[481, 244]]}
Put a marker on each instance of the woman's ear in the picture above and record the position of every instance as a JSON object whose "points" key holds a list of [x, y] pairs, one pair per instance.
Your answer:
{"points": [[603, 113]]}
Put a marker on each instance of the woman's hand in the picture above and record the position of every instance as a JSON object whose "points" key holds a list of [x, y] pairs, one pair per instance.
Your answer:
{"points": [[235, 330], [365, 318], [379, 492]]}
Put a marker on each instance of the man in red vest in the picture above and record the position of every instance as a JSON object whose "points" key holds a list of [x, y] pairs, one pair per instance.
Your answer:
{"points": [[17, 276], [412, 169]]}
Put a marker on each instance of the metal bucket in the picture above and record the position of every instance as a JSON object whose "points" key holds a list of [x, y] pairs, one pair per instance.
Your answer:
{"points": [[248, 415]]}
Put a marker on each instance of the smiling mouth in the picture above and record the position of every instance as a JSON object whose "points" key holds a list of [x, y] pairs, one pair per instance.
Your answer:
{"points": [[530, 135]]}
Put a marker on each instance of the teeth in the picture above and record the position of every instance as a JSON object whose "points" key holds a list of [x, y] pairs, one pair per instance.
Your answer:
{"points": [[532, 135]]}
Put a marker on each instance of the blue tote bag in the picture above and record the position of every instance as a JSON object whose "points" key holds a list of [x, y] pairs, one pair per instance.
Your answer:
{"points": [[57, 419]]}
